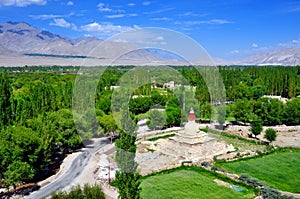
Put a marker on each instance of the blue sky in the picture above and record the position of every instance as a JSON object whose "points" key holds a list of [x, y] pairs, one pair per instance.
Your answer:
{"points": [[227, 29]]}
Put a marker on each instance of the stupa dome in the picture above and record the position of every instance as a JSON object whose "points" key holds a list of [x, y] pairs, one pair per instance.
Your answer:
{"points": [[191, 128]]}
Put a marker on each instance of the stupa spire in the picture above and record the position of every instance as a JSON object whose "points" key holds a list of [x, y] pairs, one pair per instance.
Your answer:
{"points": [[192, 116]]}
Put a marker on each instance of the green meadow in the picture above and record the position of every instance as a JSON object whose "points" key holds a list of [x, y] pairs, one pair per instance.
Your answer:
{"points": [[280, 170]]}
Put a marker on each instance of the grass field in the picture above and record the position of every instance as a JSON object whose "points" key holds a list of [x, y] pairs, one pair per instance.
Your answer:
{"points": [[187, 184], [280, 170]]}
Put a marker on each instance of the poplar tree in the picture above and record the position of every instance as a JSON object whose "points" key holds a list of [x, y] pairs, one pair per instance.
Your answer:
{"points": [[5, 97], [128, 180]]}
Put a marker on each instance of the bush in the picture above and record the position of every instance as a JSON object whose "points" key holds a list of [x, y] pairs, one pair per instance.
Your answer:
{"points": [[205, 164], [213, 168], [250, 181], [259, 152], [270, 134], [269, 193], [244, 177], [87, 192], [254, 182]]}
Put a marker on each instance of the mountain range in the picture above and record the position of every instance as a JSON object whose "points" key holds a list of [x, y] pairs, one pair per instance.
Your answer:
{"points": [[284, 56], [23, 44]]}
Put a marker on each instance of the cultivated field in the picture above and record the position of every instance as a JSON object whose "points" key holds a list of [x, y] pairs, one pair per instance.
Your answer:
{"points": [[280, 170], [188, 184]]}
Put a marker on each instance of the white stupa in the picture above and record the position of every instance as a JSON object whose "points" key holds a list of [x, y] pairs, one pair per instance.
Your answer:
{"points": [[193, 144], [191, 135]]}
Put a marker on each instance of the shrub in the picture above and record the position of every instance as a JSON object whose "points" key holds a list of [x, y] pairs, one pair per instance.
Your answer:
{"points": [[244, 177], [269, 193], [270, 134], [254, 182], [250, 181], [205, 164], [213, 168], [90, 192], [258, 152]]}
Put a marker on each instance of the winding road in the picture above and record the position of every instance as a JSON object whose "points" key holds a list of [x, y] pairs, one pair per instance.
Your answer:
{"points": [[75, 167]]}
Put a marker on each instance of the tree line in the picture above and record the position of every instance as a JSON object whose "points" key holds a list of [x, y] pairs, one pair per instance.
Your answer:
{"points": [[268, 111]]}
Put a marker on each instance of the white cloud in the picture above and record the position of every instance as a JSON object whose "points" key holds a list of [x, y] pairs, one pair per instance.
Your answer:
{"points": [[162, 19], [50, 16], [234, 52], [159, 38], [211, 22], [70, 3], [144, 38], [295, 43], [60, 22], [45, 16], [159, 11], [216, 21], [115, 16], [146, 3], [104, 29], [131, 4], [191, 14], [136, 27], [291, 7], [259, 49], [120, 16], [22, 3], [295, 9], [103, 8]]}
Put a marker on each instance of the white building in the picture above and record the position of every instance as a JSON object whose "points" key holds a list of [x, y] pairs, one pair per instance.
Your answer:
{"points": [[282, 99]]}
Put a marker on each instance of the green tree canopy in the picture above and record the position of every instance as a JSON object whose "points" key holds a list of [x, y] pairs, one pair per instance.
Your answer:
{"points": [[157, 119], [270, 111], [292, 112], [17, 172], [243, 110]]}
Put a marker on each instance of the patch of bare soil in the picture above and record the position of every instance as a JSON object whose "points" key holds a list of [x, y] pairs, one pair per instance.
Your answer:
{"points": [[222, 183], [287, 136]]}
